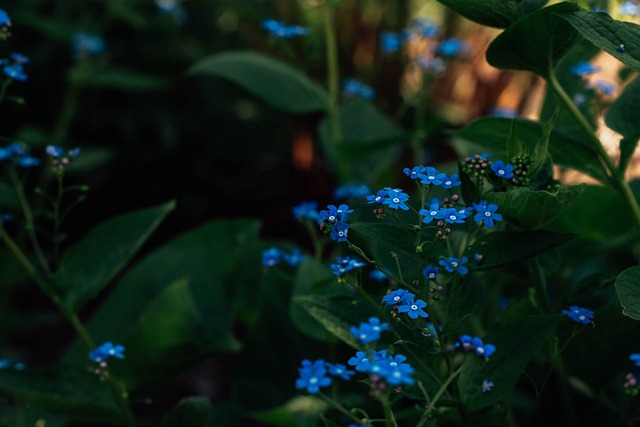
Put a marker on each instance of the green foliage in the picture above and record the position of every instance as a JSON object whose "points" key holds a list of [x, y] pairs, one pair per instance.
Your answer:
{"points": [[622, 117], [122, 79], [628, 288], [277, 83], [197, 412], [493, 13]]}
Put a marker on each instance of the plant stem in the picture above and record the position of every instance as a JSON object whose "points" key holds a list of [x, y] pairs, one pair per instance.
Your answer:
{"points": [[617, 179], [541, 284], [390, 419], [333, 73], [341, 408], [438, 395]]}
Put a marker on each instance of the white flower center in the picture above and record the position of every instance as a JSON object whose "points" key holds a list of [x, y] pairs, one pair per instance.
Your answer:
{"points": [[434, 213], [396, 298], [332, 218], [501, 172], [447, 183], [431, 177], [313, 380], [487, 214], [340, 233], [453, 217], [414, 307], [396, 200], [581, 317], [454, 264]]}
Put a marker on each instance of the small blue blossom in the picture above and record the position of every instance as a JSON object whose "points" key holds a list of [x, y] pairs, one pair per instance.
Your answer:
{"points": [[603, 87], [15, 72], [313, 376], [506, 112], [307, 210], [19, 58], [58, 152], [271, 257], [369, 332], [351, 190], [477, 257], [434, 212], [635, 358], [579, 314], [430, 272], [452, 216], [339, 370], [340, 231], [361, 361], [19, 366], [452, 264], [377, 198], [486, 385], [5, 363], [486, 214], [431, 176], [397, 297], [282, 31], [425, 28], [452, 181], [353, 87], [584, 69], [293, 258], [106, 351], [346, 264], [414, 309], [413, 172], [620, 48], [85, 44], [5, 20], [27, 161], [396, 199], [452, 47], [502, 170], [465, 342], [481, 349], [398, 372], [378, 276], [390, 42], [336, 214]]}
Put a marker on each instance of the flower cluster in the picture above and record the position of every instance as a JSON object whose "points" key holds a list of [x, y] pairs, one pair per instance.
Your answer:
{"points": [[351, 190], [5, 24], [370, 331], [404, 301], [393, 198], [631, 386], [273, 256], [453, 264], [429, 175], [352, 87], [307, 210], [19, 155], [383, 366], [580, 315], [61, 159], [106, 351], [13, 68], [313, 375], [584, 69], [280, 30], [85, 44], [346, 264], [8, 364], [475, 345], [335, 218]]}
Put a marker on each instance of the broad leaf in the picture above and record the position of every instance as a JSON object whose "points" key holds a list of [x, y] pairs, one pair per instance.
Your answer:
{"points": [[75, 393], [607, 34], [492, 13], [534, 209], [622, 117], [530, 6], [516, 344], [628, 288], [541, 151], [275, 82], [490, 134], [88, 266], [534, 43], [503, 247]]}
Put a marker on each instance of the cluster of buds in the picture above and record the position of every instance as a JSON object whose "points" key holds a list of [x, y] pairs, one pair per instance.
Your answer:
{"points": [[631, 385], [60, 159], [477, 166], [443, 230], [521, 164], [379, 213], [435, 292], [450, 202]]}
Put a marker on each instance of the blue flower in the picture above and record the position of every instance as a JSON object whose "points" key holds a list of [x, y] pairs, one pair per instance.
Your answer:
{"points": [[603, 87], [431, 176], [452, 264], [430, 272], [27, 161], [271, 257], [502, 170], [414, 309], [369, 332], [499, 111], [452, 47], [351, 190], [486, 214], [481, 349], [339, 370], [635, 358], [579, 314], [294, 258], [486, 385], [58, 152], [280, 30], [85, 44], [390, 42], [583, 69], [432, 213], [334, 214], [313, 376], [396, 199], [398, 297], [377, 198], [106, 351], [465, 342], [397, 372], [346, 264], [306, 210], [378, 275], [5, 20], [339, 232], [19, 58], [172, 8], [361, 361], [451, 215], [425, 28], [413, 172], [15, 72], [353, 87], [452, 181]]}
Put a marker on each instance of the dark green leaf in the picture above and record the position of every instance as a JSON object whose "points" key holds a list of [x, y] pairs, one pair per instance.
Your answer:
{"points": [[503, 247], [514, 147], [275, 82], [622, 117], [75, 393], [534, 43], [530, 6], [490, 134], [628, 288], [534, 209], [197, 412], [301, 411], [492, 13], [393, 236], [607, 34], [541, 151], [516, 344], [88, 266]]}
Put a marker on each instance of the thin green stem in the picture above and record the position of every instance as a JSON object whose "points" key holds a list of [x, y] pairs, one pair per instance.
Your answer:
{"points": [[341, 408], [3, 88], [390, 419], [616, 178], [438, 395], [541, 284], [333, 73], [317, 247]]}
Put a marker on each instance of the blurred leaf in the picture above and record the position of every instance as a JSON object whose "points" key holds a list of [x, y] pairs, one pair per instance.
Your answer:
{"points": [[534, 209], [534, 43], [530, 6], [301, 411], [622, 116], [492, 13], [516, 344], [52, 28], [75, 393], [628, 288], [88, 266], [491, 133], [607, 34], [503, 247], [541, 151], [275, 82], [197, 412], [124, 11], [122, 79]]}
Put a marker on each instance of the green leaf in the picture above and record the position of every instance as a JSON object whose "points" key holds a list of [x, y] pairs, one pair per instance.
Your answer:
{"points": [[8, 197], [607, 34], [87, 267], [516, 344], [530, 6], [514, 147], [503, 247], [75, 393], [541, 151], [275, 82], [628, 289], [125, 79], [301, 411], [492, 13], [534, 209], [392, 236], [491, 134], [622, 116], [197, 412], [534, 43]]}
